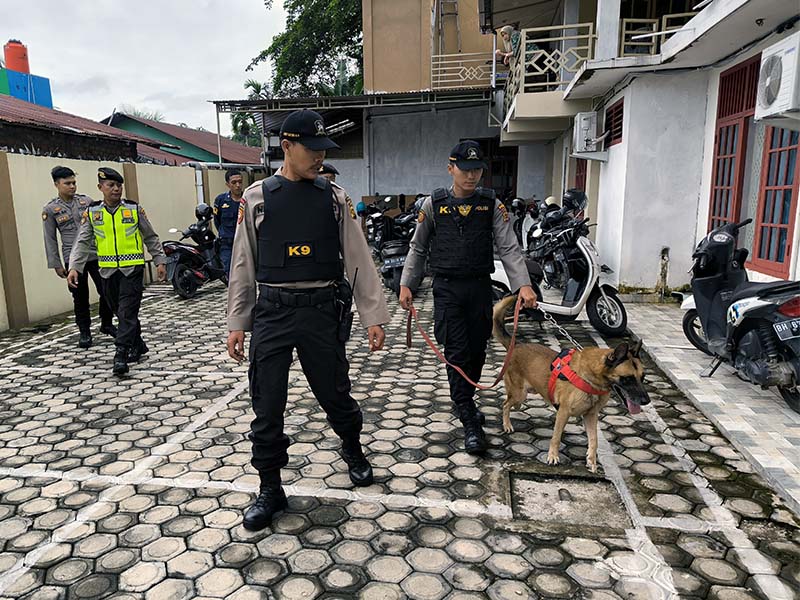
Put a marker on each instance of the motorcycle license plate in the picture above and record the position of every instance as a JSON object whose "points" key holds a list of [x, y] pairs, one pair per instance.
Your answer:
{"points": [[787, 330]]}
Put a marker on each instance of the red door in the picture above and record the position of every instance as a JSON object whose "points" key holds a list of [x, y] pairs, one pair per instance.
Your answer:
{"points": [[777, 202]]}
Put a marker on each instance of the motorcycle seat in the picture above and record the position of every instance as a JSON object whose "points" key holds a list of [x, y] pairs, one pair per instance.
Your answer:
{"points": [[753, 288], [394, 243]]}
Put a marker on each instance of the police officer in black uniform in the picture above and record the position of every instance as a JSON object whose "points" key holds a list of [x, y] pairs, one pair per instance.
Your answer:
{"points": [[297, 237], [461, 227], [226, 212]]}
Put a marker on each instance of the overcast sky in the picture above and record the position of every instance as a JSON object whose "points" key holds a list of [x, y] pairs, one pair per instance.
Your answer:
{"points": [[165, 55]]}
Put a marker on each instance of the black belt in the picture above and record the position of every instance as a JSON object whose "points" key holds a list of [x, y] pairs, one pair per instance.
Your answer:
{"points": [[293, 297]]}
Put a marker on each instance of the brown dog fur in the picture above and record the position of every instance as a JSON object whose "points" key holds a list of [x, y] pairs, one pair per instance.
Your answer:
{"points": [[529, 369]]}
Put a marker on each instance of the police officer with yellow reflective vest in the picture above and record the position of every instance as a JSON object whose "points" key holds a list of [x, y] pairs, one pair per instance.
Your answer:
{"points": [[297, 237], [63, 215], [117, 230], [226, 212], [461, 226]]}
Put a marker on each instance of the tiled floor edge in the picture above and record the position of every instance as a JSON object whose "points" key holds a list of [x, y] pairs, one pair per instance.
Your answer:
{"points": [[792, 501]]}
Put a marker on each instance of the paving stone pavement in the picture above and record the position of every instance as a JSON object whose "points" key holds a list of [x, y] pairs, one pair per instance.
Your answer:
{"points": [[134, 488], [757, 422]]}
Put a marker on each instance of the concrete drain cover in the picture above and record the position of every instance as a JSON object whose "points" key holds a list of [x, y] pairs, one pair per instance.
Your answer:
{"points": [[571, 500]]}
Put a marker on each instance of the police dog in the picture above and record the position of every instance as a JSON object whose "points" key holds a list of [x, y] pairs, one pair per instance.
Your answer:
{"points": [[603, 369]]}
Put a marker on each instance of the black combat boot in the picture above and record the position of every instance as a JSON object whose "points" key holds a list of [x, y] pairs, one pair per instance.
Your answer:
{"points": [[138, 351], [271, 500], [109, 329], [121, 361], [358, 466], [472, 419], [85, 341]]}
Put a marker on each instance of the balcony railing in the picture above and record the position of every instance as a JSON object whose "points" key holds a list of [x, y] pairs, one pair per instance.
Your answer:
{"points": [[548, 57], [456, 71], [663, 27]]}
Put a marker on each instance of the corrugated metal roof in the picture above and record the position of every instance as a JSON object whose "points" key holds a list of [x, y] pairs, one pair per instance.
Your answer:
{"points": [[231, 151], [161, 156], [20, 112]]}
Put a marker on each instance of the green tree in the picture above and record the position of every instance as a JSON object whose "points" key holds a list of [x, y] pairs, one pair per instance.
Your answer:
{"points": [[245, 129], [347, 84], [319, 35]]}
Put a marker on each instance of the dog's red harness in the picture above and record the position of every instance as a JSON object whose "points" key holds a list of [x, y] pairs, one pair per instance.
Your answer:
{"points": [[560, 369]]}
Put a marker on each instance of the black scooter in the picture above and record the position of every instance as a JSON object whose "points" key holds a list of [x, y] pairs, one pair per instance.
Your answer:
{"points": [[189, 267], [393, 253], [753, 326]]}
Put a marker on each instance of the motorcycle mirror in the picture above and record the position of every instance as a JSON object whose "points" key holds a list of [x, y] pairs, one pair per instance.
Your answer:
{"points": [[173, 230]]}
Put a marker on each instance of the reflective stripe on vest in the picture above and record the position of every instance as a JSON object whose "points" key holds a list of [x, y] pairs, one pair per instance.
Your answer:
{"points": [[119, 243]]}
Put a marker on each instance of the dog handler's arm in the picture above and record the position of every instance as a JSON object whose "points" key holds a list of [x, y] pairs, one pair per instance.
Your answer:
{"points": [[414, 269], [510, 254]]}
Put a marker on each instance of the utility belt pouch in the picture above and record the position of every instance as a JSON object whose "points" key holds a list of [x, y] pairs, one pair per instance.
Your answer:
{"points": [[344, 305]]}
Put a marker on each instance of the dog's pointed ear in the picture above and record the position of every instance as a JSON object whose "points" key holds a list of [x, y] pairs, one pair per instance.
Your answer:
{"points": [[637, 348], [618, 356]]}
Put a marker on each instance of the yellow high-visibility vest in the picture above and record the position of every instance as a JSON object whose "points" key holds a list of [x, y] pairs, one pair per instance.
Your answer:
{"points": [[119, 242]]}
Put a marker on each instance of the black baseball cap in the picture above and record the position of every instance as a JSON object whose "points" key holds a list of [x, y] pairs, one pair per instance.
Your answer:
{"points": [[328, 169], [108, 174], [308, 128], [467, 155]]}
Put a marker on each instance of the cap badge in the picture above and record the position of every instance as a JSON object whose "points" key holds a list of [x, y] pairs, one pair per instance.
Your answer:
{"points": [[320, 127], [472, 154]]}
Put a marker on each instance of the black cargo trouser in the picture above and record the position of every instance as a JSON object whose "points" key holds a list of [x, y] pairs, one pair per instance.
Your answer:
{"points": [[80, 297], [462, 310], [124, 295], [312, 327]]}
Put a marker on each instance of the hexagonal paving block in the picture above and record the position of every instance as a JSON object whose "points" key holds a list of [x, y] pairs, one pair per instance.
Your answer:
{"points": [[296, 587], [424, 586], [470, 551], [264, 571], [236, 555], [163, 549], [718, 571], [219, 583], [279, 546], [309, 561], [352, 552], [381, 591], [190, 564], [429, 560], [95, 545], [142, 576], [389, 569], [174, 589], [504, 589], [208, 539], [590, 575], [583, 548], [508, 566], [343, 578]]}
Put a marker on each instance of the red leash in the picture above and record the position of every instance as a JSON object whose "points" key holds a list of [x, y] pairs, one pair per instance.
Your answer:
{"points": [[413, 314]]}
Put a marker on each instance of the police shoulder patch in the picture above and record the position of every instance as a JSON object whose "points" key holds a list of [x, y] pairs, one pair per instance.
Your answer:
{"points": [[350, 207], [241, 212], [44, 216], [84, 216], [503, 211], [421, 216]]}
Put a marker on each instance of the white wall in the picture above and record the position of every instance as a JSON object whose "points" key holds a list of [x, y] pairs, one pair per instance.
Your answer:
{"points": [[666, 117], [353, 176], [611, 198], [531, 171]]}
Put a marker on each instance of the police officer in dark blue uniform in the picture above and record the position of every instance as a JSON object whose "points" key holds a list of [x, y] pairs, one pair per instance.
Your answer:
{"points": [[226, 213]]}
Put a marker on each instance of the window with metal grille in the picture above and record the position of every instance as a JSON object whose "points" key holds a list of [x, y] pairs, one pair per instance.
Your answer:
{"points": [[614, 123], [736, 104], [777, 202]]}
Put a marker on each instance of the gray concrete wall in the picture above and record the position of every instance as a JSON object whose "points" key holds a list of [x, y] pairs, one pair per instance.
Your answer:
{"points": [[353, 176], [409, 151], [666, 117], [531, 171]]}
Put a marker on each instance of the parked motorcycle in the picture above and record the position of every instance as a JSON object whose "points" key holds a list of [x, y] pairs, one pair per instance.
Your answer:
{"points": [[586, 284], [755, 327], [189, 267]]}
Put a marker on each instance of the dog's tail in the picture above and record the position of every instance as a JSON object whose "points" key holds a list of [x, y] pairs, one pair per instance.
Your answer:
{"points": [[499, 317]]}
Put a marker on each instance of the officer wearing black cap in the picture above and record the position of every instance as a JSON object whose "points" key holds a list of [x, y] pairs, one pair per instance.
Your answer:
{"points": [[63, 215], [297, 238], [328, 171], [460, 227], [117, 231]]}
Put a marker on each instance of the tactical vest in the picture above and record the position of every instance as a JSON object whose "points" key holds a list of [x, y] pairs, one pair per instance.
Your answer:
{"points": [[119, 242], [298, 239], [462, 244]]}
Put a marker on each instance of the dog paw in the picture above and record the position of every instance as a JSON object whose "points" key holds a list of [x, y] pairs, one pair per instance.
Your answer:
{"points": [[508, 428], [592, 466], [552, 458]]}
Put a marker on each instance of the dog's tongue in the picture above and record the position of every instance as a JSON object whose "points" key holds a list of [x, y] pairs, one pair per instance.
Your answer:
{"points": [[633, 408]]}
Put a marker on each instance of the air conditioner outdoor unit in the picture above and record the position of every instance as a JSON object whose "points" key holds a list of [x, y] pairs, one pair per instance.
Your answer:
{"points": [[586, 143], [584, 133], [778, 96]]}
